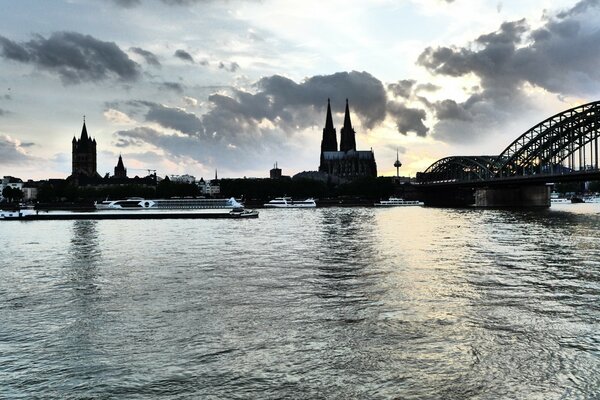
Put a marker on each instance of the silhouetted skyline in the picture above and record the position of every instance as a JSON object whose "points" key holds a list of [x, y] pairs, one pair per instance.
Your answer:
{"points": [[191, 86]]}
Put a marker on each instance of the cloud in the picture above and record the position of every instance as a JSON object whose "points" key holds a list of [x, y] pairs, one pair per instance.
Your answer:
{"points": [[148, 56], [561, 57], [408, 119], [3, 112], [183, 55], [174, 86], [450, 109], [366, 93], [232, 67], [12, 153], [74, 57], [127, 3], [403, 88], [242, 128], [190, 101]]}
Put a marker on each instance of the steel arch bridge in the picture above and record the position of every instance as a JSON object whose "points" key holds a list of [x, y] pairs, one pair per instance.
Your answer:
{"points": [[562, 147]]}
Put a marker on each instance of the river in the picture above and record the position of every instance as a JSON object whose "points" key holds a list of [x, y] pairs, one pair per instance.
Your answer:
{"points": [[331, 303]]}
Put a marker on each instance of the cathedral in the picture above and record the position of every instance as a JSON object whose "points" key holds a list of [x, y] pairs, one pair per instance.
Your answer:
{"points": [[347, 163]]}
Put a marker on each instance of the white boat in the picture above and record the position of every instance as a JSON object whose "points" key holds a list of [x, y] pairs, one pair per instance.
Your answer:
{"points": [[287, 202], [136, 203], [555, 199], [591, 199], [396, 201]]}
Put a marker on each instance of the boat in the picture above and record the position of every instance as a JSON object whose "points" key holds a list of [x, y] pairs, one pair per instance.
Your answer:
{"points": [[287, 202], [396, 201], [30, 215], [138, 203], [592, 199], [555, 199]]}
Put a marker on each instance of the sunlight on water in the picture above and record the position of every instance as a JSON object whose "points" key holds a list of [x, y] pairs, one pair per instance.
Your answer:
{"points": [[328, 303]]}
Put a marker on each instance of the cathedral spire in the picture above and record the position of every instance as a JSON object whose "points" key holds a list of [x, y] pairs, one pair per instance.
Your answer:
{"points": [[348, 141], [328, 119], [329, 141]]}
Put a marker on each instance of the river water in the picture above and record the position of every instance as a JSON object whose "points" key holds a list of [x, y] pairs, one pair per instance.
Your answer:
{"points": [[331, 303]]}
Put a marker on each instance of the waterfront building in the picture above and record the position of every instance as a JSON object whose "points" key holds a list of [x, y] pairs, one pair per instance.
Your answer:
{"points": [[12, 182], [209, 188], [347, 163], [182, 178]]}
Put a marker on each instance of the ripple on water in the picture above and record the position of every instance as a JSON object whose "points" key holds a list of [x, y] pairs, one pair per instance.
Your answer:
{"points": [[326, 303]]}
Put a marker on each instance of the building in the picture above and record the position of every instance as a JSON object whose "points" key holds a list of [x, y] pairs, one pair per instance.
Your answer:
{"points": [[120, 170], [182, 178], [346, 163], [275, 172], [84, 163], [11, 182], [209, 188]]}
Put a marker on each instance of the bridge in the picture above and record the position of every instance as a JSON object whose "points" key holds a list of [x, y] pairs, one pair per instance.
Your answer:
{"points": [[562, 148]]}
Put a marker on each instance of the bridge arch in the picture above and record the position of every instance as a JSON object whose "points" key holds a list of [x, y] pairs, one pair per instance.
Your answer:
{"points": [[558, 140], [459, 168]]}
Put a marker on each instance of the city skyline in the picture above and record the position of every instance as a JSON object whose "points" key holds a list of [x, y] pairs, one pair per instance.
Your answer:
{"points": [[186, 86]]}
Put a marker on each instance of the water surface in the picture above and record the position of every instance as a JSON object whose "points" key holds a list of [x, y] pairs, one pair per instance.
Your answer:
{"points": [[335, 303]]}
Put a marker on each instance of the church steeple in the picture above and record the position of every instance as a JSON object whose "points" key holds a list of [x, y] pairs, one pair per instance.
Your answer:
{"points": [[84, 134], [120, 170], [329, 141], [347, 141]]}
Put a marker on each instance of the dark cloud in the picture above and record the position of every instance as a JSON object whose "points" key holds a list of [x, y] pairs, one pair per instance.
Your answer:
{"points": [[11, 152], [172, 118], [149, 57], [243, 128], [365, 92], [450, 109], [403, 88], [174, 86], [232, 67], [561, 57], [127, 3], [74, 57], [3, 112], [183, 55], [408, 119]]}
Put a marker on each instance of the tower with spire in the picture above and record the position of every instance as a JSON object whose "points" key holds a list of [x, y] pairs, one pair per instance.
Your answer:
{"points": [[329, 141], [84, 156], [348, 140], [120, 170]]}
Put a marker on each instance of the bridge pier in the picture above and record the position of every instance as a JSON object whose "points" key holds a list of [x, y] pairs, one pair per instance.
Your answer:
{"points": [[513, 196]]}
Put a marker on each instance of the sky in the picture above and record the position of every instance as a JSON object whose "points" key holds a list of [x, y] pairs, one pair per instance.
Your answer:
{"points": [[194, 86]]}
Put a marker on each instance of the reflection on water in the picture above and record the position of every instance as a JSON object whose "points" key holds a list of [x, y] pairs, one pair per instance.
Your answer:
{"points": [[327, 303]]}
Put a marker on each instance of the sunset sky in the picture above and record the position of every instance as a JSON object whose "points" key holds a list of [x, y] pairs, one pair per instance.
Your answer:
{"points": [[190, 86]]}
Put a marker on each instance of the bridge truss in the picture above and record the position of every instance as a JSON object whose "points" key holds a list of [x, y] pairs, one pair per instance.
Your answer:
{"points": [[566, 143]]}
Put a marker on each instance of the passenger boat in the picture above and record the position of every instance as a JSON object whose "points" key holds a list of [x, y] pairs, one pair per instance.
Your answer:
{"points": [[287, 202], [555, 199], [396, 201], [592, 199], [137, 203]]}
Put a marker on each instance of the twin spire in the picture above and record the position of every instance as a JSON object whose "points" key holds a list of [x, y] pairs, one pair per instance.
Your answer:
{"points": [[347, 140]]}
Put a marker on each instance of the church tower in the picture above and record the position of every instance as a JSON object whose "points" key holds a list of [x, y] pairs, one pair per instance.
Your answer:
{"points": [[347, 141], [329, 142], [120, 170], [84, 155]]}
